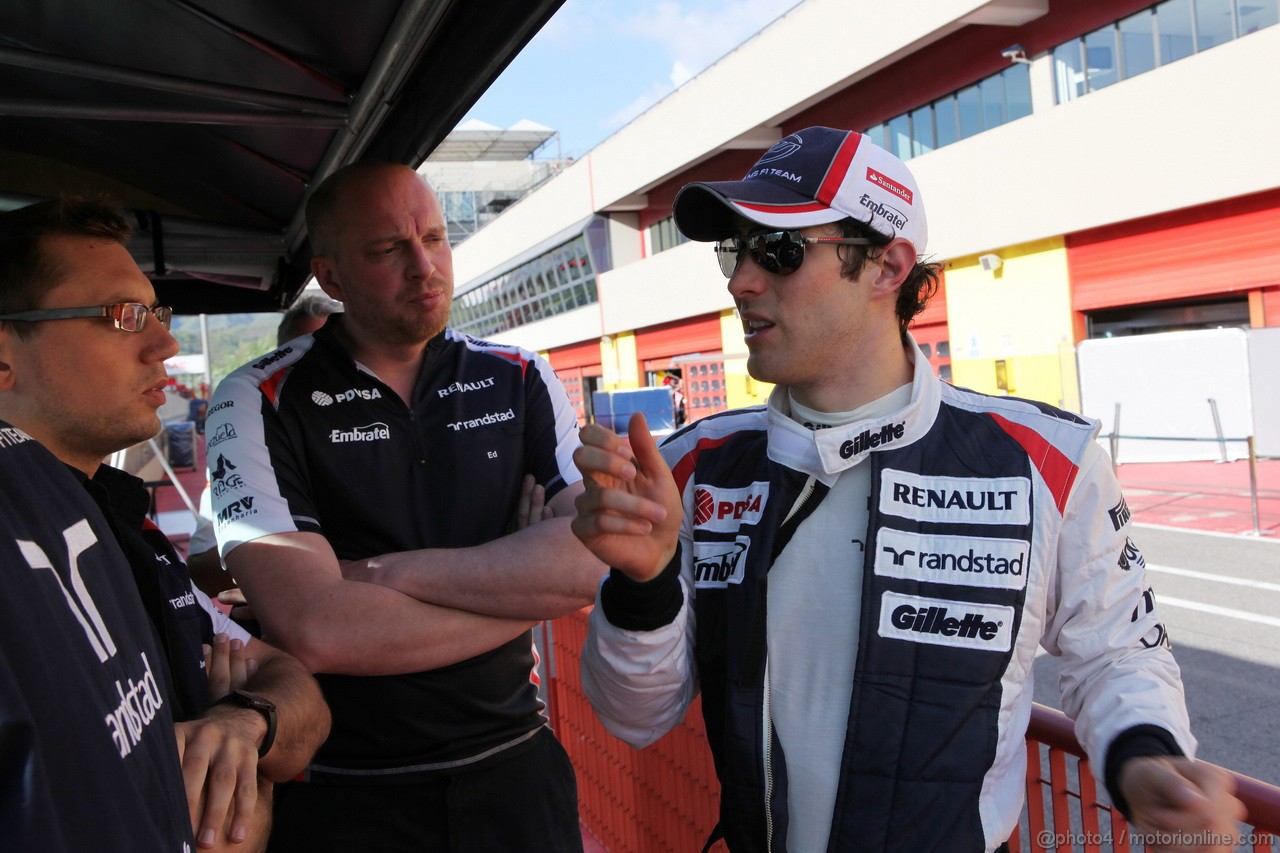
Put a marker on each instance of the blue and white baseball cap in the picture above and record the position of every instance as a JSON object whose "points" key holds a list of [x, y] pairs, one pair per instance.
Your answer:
{"points": [[812, 177]]}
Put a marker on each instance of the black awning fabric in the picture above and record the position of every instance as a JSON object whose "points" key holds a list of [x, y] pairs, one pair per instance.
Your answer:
{"points": [[211, 118]]}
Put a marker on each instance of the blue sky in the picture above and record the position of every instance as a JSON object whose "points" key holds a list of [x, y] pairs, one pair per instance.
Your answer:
{"points": [[598, 64]]}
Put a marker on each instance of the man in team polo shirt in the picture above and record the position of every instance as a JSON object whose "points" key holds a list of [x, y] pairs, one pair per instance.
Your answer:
{"points": [[82, 350], [858, 575], [402, 449]]}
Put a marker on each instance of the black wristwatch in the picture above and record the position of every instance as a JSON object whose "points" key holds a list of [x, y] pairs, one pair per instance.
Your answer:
{"points": [[265, 707]]}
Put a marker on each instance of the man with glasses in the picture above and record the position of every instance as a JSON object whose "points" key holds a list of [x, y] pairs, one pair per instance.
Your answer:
{"points": [[82, 350], [857, 575], [399, 447]]}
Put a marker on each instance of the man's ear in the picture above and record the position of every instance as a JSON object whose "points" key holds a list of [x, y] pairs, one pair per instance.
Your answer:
{"points": [[7, 342], [326, 273], [896, 262]]}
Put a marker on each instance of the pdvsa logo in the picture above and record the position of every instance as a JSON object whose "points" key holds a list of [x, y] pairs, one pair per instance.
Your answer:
{"points": [[941, 558], [272, 359], [941, 622], [718, 564], [221, 434], [370, 432], [725, 510], [321, 399]]}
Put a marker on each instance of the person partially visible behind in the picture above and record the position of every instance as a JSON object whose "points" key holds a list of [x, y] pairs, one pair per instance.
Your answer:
{"points": [[305, 316], [857, 576], [82, 349]]}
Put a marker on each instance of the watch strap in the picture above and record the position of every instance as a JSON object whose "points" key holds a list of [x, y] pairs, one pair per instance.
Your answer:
{"points": [[254, 702]]}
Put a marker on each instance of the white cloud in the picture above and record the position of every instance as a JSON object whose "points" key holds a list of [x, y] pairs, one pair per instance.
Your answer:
{"points": [[695, 35]]}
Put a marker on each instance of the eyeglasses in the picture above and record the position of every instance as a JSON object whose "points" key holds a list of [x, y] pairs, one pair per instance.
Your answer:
{"points": [[127, 316], [777, 252]]}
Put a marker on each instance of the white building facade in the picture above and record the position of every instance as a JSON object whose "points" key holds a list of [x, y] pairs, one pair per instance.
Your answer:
{"points": [[1089, 170]]}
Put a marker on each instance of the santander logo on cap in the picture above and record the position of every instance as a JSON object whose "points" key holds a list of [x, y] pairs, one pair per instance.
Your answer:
{"points": [[885, 182]]}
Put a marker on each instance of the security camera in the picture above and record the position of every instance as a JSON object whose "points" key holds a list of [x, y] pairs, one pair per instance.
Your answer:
{"points": [[990, 263], [1016, 53]]}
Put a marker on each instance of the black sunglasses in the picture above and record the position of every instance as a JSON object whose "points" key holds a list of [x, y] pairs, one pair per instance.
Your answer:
{"points": [[777, 252]]}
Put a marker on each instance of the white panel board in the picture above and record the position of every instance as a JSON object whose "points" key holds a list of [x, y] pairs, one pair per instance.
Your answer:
{"points": [[1264, 378], [1163, 384]]}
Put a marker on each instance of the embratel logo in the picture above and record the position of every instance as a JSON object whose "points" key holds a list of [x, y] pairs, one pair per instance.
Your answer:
{"points": [[1120, 515], [463, 387], [725, 510], [963, 500], [272, 359], [371, 432], [887, 183], [965, 560], [221, 434], [892, 215], [718, 564], [941, 622], [868, 440]]}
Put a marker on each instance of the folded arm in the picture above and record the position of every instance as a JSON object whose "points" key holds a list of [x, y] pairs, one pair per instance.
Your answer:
{"points": [[335, 625], [539, 572]]}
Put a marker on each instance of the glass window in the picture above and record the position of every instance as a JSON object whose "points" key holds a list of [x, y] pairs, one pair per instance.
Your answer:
{"points": [[926, 349], [1068, 70], [944, 373], [1214, 23], [1017, 91], [992, 102], [1256, 15], [922, 139], [1137, 44], [944, 118], [969, 103], [944, 349], [900, 136], [1173, 20], [1100, 58], [877, 134]]}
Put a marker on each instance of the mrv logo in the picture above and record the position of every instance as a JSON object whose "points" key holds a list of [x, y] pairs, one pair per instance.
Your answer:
{"points": [[371, 432], [725, 510], [718, 564], [868, 440], [964, 560], [974, 500], [940, 622]]}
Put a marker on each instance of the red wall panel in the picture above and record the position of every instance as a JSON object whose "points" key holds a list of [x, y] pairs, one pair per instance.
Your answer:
{"points": [[1231, 246], [696, 334], [585, 354]]}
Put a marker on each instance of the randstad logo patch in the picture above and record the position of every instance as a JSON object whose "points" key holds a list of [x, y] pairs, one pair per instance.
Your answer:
{"points": [[718, 564], [725, 510], [972, 500], [963, 560], [942, 622]]}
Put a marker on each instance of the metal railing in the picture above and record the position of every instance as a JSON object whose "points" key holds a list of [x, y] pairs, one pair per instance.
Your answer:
{"points": [[1064, 814], [1114, 437]]}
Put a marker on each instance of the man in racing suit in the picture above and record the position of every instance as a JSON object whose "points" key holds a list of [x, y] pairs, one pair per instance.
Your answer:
{"points": [[856, 575], [400, 447]]}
